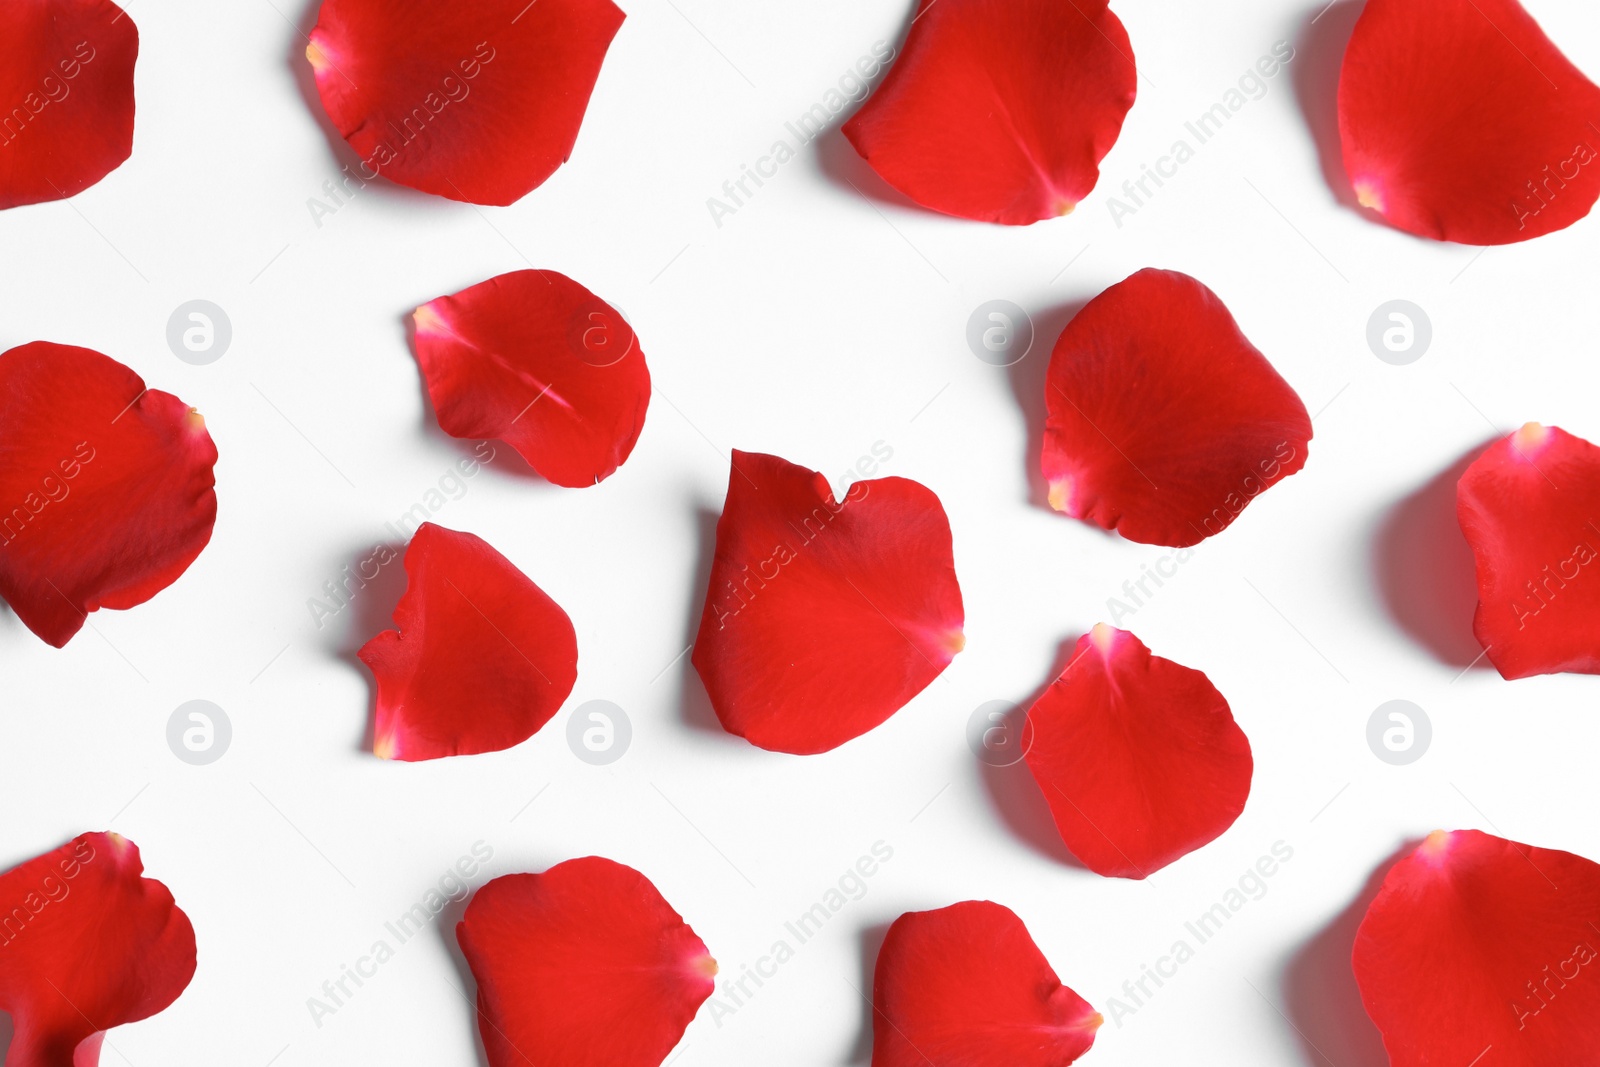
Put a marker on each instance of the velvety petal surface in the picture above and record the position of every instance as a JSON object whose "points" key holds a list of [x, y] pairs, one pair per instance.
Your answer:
{"points": [[584, 965], [1461, 121], [481, 658], [1138, 756], [1164, 421], [824, 617], [1482, 950], [106, 487], [1000, 110], [473, 101], [1530, 509], [965, 986], [66, 87], [86, 944], [538, 361]]}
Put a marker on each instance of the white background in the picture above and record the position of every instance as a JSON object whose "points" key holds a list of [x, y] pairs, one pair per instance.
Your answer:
{"points": [[812, 324]]}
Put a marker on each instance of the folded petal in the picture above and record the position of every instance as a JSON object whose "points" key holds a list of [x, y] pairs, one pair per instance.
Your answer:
{"points": [[106, 487], [584, 965], [66, 80], [482, 657], [965, 986], [1000, 110], [87, 944], [824, 617], [1529, 507], [1461, 121], [1481, 950], [1138, 756], [478, 102], [1164, 420], [538, 361]]}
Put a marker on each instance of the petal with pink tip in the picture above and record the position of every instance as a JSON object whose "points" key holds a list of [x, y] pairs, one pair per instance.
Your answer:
{"points": [[585, 965], [106, 487], [538, 361], [1530, 508], [1479, 950], [824, 617], [1139, 757]]}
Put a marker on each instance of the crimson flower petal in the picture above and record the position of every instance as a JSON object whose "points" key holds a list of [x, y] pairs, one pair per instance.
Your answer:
{"points": [[66, 82], [1138, 756], [1529, 507], [584, 965], [105, 487], [1479, 949], [1000, 110], [824, 617], [1461, 121], [965, 986], [538, 361], [1164, 420], [87, 944], [478, 102], [482, 657]]}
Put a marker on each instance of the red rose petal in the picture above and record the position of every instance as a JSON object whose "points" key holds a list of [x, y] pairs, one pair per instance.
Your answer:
{"points": [[965, 986], [1138, 756], [478, 102], [482, 657], [1000, 110], [1164, 420], [1529, 507], [66, 84], [1461, 121], [824, 617], [538, 361], [1482, 950], [584, 965], [86, 945], [105, 487]]}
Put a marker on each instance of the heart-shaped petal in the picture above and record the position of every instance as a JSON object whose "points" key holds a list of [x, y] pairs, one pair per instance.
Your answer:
{"points": [[1461, 121], [1000, 110], [584, 965], [87, 944], [478, 102], [66, 90], [1530, 509], [1481, 950], [1138, 756], [965, 986], [538, 361], [482, 657], [824, 617], [1164, 420], [106, 487]]}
